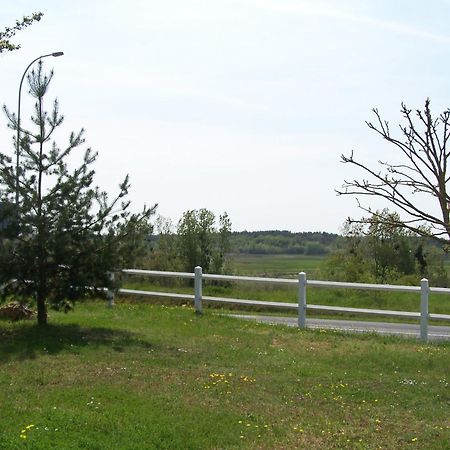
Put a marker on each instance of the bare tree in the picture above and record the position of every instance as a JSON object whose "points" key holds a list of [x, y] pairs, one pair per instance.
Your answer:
{"points": [[424, 156]]}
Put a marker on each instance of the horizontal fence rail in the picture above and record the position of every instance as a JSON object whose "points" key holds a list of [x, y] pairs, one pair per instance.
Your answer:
{"points": [[302, 283]]}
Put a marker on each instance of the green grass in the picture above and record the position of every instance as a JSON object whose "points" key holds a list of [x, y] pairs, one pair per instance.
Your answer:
{"points": [[397, 301], [289, 266], [276, 265], [140, 376]]}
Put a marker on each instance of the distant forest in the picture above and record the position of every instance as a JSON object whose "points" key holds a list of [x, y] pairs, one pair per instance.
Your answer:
{"points": [[282, 242]]}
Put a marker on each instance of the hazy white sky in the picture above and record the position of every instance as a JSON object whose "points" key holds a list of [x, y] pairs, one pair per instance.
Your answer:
{"points": [[236, 105]]}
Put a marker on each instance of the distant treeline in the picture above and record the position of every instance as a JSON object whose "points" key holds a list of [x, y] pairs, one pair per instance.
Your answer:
{"points": [[282, 242]]}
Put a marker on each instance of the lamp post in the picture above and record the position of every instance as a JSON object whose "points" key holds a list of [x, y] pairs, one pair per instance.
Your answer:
{"points": [[18, 119]]}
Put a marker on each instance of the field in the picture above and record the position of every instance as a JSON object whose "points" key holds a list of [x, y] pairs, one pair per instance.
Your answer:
{"points": [[276, 265], [141, 376]]}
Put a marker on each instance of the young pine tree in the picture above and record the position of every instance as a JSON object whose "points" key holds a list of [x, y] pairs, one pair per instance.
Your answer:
{"points": [[59, 234]]}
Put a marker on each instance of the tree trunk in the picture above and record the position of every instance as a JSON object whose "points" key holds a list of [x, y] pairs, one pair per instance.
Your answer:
{"points": [[41, 232], [41, 308]]}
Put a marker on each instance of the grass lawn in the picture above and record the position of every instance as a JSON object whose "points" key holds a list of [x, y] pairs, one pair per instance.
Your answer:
{"points": [[139, 376]]}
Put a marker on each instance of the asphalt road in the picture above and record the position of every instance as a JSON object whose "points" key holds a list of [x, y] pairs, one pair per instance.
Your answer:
{"points": [[435, 333]]}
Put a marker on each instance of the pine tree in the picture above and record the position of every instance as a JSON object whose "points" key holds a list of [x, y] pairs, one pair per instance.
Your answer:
{"points": [[63, 235]]}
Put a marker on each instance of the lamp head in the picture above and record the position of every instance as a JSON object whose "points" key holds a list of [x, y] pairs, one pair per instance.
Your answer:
{"points": [[58, 54]]}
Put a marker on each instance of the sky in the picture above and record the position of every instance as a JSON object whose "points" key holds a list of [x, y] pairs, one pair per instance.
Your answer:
{"points": [[242, 106]]}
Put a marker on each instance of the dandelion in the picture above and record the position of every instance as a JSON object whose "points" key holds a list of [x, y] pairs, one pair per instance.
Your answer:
{"points": [[414, 439], [23, 432]]}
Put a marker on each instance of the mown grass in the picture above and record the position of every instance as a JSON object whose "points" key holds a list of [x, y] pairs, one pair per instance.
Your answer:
{"points": [[141, 376]]}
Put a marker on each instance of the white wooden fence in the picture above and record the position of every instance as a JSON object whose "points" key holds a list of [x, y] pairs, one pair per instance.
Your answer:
{"points": [[302, 306]]}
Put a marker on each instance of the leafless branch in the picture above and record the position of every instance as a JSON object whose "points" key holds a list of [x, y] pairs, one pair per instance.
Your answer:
{"points": [[423, 170]]}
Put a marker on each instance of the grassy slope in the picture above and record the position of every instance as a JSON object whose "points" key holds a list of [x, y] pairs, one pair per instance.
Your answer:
{"points": [[141, 376], [438, 304]]}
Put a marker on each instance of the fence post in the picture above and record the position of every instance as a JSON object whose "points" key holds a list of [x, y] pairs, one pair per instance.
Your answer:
{"points": [[198, 290], [302, 299], [110, 292], [424, 309]]}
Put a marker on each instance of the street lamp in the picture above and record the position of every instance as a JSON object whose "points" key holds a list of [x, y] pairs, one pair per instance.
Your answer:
{"points": [[18, 119]]}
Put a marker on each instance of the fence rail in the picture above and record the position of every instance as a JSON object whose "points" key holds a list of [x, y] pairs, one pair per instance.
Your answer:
{"points": [[302, 306]]}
